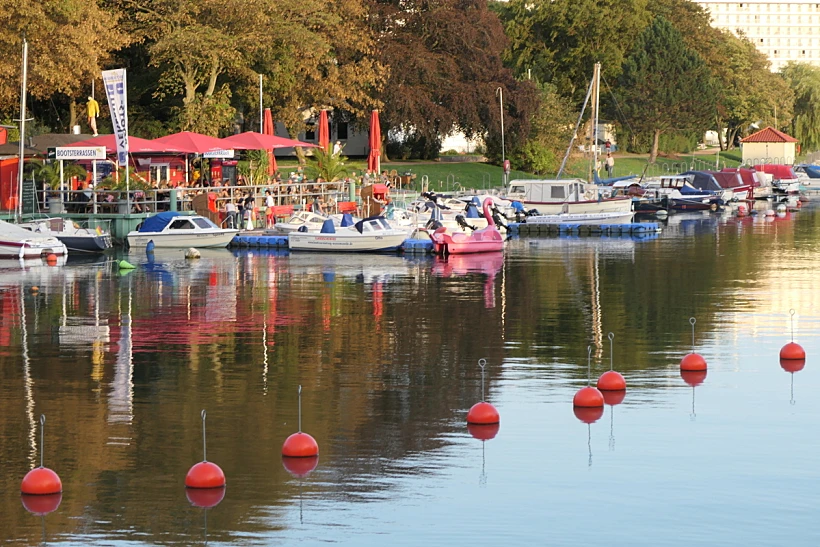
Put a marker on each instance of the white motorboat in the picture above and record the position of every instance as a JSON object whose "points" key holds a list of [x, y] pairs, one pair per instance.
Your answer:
{"points": [[313, 222], [566, 196], [581, 218], [369, 235], [172, 229], [75, 238], [16, 242]]}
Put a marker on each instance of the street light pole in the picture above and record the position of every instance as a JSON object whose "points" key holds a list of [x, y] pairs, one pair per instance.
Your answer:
{"points": [[500, 93]]}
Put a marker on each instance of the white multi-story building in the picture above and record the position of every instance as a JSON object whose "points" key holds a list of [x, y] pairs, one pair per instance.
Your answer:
{"points": [[788, 30]]}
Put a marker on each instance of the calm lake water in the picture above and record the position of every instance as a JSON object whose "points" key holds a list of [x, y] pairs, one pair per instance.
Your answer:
{"points": [[386, 349]]}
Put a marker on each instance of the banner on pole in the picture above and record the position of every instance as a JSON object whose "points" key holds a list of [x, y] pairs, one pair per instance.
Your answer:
{"points": [[114, 81]]}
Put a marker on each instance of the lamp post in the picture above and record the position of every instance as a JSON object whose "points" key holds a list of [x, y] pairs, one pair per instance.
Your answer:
{"points": [[500, 93]]}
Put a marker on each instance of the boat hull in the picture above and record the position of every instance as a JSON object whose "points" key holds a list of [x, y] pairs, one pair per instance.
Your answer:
{"points": [[590, 218], [31, 248], [87, 243], [198, 239], [481, 241], [612, 205], [353, 242]]}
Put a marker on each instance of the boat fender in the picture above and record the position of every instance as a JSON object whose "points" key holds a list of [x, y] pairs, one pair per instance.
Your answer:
{"points": [[192, 253]]}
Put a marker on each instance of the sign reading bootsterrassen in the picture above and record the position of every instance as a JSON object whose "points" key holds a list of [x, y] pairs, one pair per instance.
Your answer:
{"points": [[79, 153], [114, 81]]}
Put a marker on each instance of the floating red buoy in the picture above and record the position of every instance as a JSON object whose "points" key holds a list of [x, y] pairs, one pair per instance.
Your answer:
{"points": [[792, 365], [483, 414], [300, 467], [300, 445], [693, 362], [613, 398], [41, 481], [41, 505], [693, 377], [588, 415], [792, 350], [483, 432], [205, 475], [51, 259], [205, 497], [611, 381], [588, 397]]}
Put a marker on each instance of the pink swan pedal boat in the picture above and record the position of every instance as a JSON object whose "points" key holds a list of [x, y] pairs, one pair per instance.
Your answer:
{"points": [[485, 240]]}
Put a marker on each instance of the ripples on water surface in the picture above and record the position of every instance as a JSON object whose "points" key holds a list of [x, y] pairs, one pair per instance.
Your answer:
{"points": [[385, 348]]}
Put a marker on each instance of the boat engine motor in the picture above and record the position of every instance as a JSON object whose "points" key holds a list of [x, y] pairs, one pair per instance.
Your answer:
{"points": [[462, 222]]}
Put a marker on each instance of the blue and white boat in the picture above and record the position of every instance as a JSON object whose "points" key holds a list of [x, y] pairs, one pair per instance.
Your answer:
{"points": [[372, 234], [172, 229]]}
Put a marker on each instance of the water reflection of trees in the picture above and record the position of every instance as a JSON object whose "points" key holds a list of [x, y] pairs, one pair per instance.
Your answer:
{"points": [[387, 362]]}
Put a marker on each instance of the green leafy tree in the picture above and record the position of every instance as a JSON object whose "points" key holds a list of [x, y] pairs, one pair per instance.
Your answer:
{"points": [[559, 41], [550, 133], [49, 172], [327, 165], [804, 80], [665, 86]]}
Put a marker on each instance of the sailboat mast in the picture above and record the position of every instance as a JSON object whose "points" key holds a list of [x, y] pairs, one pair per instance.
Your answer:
{"points": [[22, 131], [593, 120]]}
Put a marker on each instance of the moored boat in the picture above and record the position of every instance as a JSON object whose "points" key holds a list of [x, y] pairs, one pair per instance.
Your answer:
{"points": [[74, 237], [552, 197], [172, 229], [372, 234], [16, 242], [484, 240], [582, 218]]}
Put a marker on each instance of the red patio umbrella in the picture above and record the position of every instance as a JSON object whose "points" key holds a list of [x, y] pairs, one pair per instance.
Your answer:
{"points": [[324, 131], [267, 129], [251, 140], [136, 145], [191, 143], [375, 143]]}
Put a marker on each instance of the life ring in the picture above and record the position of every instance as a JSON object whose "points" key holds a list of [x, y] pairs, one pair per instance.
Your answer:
{"points": [[589, 195]]}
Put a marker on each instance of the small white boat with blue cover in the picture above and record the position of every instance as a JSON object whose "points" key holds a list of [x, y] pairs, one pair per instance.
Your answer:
{"points": [[172, 229], [372, 234]]}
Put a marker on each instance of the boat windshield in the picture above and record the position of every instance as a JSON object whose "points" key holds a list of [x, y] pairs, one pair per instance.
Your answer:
{"points": [[205, 223], [181, 224]]}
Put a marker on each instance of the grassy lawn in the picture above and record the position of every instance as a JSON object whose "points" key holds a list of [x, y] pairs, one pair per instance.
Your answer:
{"points": [[445, 177]]}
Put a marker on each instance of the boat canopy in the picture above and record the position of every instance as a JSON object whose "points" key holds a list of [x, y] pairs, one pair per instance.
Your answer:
{"points": [[778, 172], [726, 179], [360, 225], [746, 175], [328, 227], [347, 220], [158, 222], [813, 171], [703, 181]]}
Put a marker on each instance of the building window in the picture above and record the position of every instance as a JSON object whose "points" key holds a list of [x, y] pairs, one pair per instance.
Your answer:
{"points": [[310, 134], [341, 131]]}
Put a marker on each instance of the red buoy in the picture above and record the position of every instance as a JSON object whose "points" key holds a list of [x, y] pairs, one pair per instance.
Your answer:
{"points": [[588, 397], [300, 467], [611, 381], [588, 415], [51, 259], [205, 497], [41, 481], [205, 475], [792, 365], [792, 350], [41, 505], [693, 362], [613, 398], [483, 432], [300, 445], [693, 377], [483, 413]]}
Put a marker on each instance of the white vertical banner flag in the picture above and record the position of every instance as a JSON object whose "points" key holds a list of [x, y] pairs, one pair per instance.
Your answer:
{"points": [[114, 81]]}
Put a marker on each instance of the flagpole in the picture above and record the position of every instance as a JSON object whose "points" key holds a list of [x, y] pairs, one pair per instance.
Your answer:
{"points": [[22, 131]]}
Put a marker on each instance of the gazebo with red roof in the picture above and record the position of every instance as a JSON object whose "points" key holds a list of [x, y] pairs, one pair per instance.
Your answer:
{"points": [[769, 146]]}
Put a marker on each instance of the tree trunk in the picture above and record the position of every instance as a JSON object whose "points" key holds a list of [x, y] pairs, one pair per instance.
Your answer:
{"points": [[653, 154], [730, 138], [72, 115], [383, 150], [212, 78], [719, 127]]}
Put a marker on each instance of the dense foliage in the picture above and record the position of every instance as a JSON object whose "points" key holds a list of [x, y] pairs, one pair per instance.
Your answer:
{"points": [[432, 68]]}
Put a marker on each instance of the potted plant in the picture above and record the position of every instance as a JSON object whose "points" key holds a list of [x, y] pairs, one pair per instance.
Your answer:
{"points": [[119, 188], [49, 175]]}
